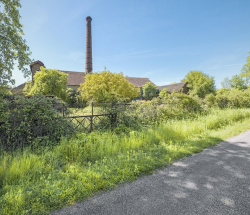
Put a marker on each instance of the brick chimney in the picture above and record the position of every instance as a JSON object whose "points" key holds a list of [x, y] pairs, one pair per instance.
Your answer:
{"points": [[88, 62]]}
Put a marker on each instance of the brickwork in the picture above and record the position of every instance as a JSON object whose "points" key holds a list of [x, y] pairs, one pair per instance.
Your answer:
{"points": [[88, 62], [35, 67]]}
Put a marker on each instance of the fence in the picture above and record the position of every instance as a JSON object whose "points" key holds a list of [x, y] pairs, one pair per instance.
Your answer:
{"points": [[20, 125], [95, 116], [18, 128]]}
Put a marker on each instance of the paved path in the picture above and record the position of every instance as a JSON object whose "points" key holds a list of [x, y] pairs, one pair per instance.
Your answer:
{"points": [[215, 181]]}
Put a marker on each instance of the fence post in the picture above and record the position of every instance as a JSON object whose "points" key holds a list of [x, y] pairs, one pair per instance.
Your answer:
{"points": [[91, 118]]}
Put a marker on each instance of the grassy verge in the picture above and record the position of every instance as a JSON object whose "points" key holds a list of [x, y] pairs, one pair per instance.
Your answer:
{"points": [[37, 182]]}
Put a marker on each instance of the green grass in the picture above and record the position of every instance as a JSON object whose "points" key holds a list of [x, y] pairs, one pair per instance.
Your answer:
{"points": [[37, 182]]}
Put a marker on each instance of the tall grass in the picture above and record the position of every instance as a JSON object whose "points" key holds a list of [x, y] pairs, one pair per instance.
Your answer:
{"points": [[38, 181]]}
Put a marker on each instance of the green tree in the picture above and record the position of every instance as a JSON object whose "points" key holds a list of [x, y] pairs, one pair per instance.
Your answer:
{"points": [[149, 90], [13, 47], [199, 83], [238, 82], [106, 87], [226, 83], [245, 71], [48, 82]]}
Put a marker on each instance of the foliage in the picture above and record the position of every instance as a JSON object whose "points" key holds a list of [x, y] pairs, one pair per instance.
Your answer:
{"points": [[35, 182], [163, 93], [245, 71], [72, 97], [229, 98], [173, 106], [13, 47], [226, 83], [48, 82], [149, 90], [238, 82], [27, 88], [4, 90], [107, 87], [199, 83], [25, 119]]}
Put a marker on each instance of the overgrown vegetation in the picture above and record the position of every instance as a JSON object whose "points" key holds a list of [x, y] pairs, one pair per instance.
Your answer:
{"points": [[51, 169], [29, 120], [240, 81], [199, 83], [36, 182], [149, 90]]}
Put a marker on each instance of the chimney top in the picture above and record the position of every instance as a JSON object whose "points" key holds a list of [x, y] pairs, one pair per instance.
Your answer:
{"points": [[88, 18]]}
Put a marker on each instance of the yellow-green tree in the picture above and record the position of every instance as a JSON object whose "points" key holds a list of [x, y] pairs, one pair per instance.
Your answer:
{"points": [[48, 82], [107, 87], [163, 93]]}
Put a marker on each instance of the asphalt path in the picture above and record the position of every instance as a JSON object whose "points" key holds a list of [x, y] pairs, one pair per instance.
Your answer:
{"points": [[215, 181]]}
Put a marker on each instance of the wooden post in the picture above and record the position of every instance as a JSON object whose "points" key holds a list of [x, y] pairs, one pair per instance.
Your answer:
{"points": [[91, 118]]}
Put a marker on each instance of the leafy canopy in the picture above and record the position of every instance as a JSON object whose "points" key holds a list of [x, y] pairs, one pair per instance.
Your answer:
{"points": [[48, 82], [106, 87], [240, 81], [245, 71], [199, 83], [149, 90], [13, 47]]}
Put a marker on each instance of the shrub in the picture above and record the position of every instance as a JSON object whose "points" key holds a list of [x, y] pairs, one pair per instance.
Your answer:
{"points": [[24, 120], [163, 93], [229, 98], [149, 90]]}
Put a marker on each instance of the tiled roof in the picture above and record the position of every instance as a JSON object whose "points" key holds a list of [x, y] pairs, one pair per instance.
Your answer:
{"points": [[77, 78], [138, 82], [74, 78], [18, 89], [173, 87]]}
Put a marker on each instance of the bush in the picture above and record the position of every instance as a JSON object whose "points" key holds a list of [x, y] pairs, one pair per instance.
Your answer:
{"points": [[149, 90], [229, 98], [172, 106], [26, 120]]}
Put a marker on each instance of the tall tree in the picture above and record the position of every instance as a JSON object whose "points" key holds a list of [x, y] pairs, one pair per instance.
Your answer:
{"points": [[245, 71], [13, 47], [199, 83], [238, 82], [48, 82], [106, 87]]}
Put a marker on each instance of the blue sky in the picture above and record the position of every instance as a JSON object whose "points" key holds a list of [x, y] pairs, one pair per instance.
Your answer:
{"points": [[159, 39]]}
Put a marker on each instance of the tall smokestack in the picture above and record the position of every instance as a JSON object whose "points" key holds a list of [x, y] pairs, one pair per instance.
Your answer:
{"points": [[88, 62]]}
